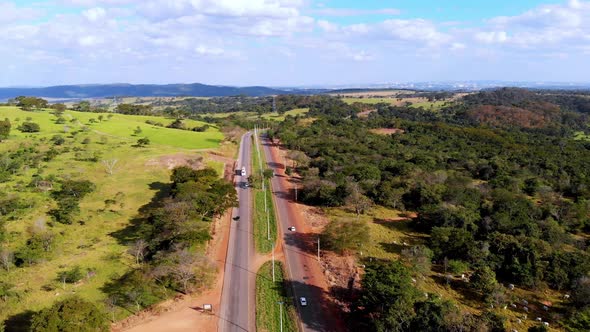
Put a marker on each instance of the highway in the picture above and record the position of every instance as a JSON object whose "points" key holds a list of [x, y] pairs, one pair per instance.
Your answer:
{"points": [[238, 299], [303, 270]]}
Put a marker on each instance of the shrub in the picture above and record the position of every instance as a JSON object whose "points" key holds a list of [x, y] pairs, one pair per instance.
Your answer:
{"points": [[70, 276], [29, 127], [71, 314]]}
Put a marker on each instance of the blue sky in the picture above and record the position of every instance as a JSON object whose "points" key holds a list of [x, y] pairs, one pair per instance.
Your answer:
{"points": [[292, 42]]}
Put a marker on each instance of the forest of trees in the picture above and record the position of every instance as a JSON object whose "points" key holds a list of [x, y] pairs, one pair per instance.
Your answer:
{"points": [[509, 204]]}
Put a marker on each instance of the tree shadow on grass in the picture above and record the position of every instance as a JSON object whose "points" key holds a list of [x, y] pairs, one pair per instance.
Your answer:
{"points": [[130, 233], [20, 322]]}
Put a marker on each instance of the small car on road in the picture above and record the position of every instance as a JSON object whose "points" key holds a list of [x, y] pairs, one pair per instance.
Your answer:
{"points": [[291, 228], [303, 301]]}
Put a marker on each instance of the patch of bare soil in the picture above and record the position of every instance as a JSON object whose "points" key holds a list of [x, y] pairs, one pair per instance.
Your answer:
{"points": [[340, 271], [365, 114], [387, 131], [174, 160]]}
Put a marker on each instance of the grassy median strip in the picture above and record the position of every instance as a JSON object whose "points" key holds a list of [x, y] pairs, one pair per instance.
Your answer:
{"points": [[268, 296], [263, 225]]}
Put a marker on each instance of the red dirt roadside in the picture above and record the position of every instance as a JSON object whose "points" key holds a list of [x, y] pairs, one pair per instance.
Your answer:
{"points": [[313, 268]]}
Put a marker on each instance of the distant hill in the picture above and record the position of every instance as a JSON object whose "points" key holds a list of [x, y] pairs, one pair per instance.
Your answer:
{"points": [[141, 90]]}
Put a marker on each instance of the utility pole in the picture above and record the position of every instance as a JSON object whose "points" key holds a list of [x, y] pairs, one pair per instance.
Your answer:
{"points": [[281, 314]]}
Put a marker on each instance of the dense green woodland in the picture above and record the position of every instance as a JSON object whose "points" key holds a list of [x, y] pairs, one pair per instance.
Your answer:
{"points": [[511, 203]]}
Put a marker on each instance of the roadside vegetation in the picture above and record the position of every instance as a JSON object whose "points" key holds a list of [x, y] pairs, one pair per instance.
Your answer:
{"points": [[71, 194], [473, 217], [265, 223], [268, 296]]}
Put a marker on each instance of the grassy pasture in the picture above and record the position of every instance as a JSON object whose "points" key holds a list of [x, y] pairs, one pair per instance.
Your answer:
{"points": [[89, 243], [120, 125]]}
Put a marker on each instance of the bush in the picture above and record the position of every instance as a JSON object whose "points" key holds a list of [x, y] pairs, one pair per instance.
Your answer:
{"points": [[29, 127], [72, 314], [457, 267], [58, 140], [70, 276], [143, 141]]}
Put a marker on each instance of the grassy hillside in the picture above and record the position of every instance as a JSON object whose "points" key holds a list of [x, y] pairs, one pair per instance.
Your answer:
{"points": [[90, 241], [119, 125]]}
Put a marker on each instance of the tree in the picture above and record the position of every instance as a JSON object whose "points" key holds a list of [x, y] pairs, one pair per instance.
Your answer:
{"points": [[138, 249], [29, 127], [344, 234], [420, 257], [143, 142], [483, 281], [185, 270], [177, 124], [430, 316], [70, 276], [31, 103], [268, 173], [71, 314], [388, 296], [6, 259], [356, 200], [581, 294], [4, 129], [58, 108], [57, 140], [109, 165], [68, 198]]}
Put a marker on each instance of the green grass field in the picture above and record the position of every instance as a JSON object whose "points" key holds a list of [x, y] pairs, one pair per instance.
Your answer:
{"points": [[435, 105], [277, 117], [264, 221], [119, 125], [268, 296], [138, 174], [252, 116]]}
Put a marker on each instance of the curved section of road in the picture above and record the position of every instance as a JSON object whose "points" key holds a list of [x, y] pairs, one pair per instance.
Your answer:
{"points": [[238, 298], [303, 269]]}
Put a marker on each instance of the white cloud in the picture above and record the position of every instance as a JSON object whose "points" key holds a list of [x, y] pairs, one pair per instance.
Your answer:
{"points": [[165, 9], [547, 26], [414, 30], [90, 40], [362, 56], [208, 51], [327, 26], [492, 37], [94, 14], [9, 12], [355, 11]]}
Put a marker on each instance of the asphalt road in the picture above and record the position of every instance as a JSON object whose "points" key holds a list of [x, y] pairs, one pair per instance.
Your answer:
{"points": [[237, 300], [300, 259]]}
